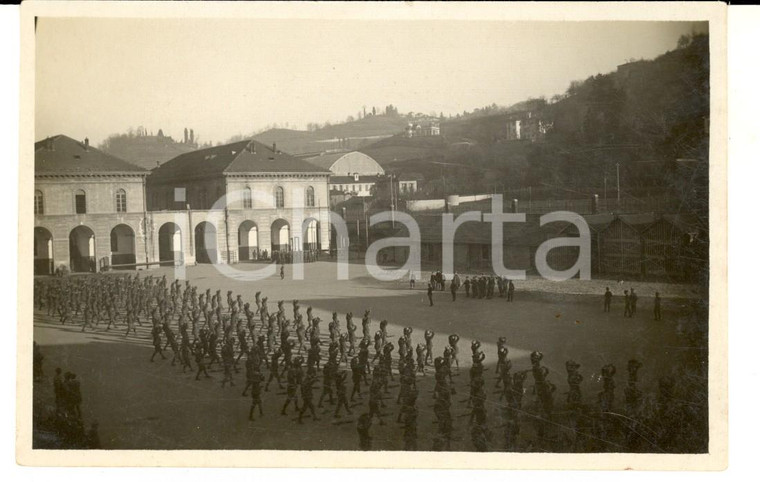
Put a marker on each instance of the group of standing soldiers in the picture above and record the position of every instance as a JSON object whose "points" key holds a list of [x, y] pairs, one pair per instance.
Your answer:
{"points": [[631, 300], [201, 326], [479, 287]]}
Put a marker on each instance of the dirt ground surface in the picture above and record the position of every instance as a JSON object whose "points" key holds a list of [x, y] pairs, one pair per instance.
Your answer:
{"points": [[144, 405]]}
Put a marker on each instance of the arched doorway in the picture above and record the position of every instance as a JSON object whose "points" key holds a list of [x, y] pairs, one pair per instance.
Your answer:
{"points": [[123, 246], [310, 232], [82, 250], [248, 241], [205, 243], [280, 236], [170, 243], [43, 252]]}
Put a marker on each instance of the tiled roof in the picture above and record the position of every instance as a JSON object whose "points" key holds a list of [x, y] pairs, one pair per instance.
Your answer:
{"points": [[63, 155], [232, 158]]}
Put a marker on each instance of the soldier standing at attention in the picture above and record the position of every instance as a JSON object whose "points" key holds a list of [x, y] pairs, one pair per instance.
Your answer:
{"points": [[510, 291], [627, 310], [657, 307], [467, 286], [634, 299], [607, 299]]}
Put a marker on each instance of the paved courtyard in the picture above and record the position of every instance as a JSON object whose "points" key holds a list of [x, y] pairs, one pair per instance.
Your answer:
{"points": [[146, 405]]}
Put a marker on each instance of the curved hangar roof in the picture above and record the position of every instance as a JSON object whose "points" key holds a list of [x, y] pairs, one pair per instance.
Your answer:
{"points": [[347, 163]]}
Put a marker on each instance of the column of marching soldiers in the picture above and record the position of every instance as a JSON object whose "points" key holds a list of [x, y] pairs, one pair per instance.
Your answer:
{"points": [[209, 333]]}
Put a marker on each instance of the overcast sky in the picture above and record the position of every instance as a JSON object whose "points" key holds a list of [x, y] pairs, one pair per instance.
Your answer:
{"points": [[222, 77]]}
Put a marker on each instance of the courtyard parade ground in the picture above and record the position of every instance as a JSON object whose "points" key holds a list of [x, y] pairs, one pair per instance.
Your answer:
{"points": [[143, 405]]}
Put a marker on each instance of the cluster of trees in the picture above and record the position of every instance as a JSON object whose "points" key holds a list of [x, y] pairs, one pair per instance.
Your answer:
{"points": [[134, 133], [642, 117]]}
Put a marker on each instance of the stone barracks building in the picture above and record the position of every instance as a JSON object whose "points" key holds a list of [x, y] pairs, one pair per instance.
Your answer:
{"points": [[224, 204]]}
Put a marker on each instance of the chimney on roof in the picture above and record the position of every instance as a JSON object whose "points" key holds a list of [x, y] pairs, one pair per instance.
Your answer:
{"points": [[86, 143], [251, 147], [274, 147], [514, 206]]}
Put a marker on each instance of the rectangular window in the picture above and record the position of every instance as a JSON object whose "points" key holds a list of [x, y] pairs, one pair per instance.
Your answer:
{"points": [[247, 199], [39, 207], [81, 204]]}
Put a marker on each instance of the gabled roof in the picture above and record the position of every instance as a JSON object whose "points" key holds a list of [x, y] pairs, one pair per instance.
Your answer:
{"points": [[236, 158], [63, 155]]}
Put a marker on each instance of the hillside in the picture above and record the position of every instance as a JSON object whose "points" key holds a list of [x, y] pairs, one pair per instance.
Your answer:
{"points": [[644, 116], [400, 148], [349, 135]]}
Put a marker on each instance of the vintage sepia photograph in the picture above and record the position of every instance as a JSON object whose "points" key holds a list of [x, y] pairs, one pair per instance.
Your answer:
{"points": [[255, 230]]}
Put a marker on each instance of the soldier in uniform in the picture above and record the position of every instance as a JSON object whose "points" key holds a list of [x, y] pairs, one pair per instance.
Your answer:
{"points": [[200, 360], [467, 286], [256, 379], [429, 335], [421, 356], [307, 395], [607, 299], [340, 390], [328, 380], [430, 293], [362, 428], [357, 373], [657, 307], [627, 310], [634, 299], [295, 376], [453, 341], [156, 332], [366, 333], [228, 359], [274, 369]]}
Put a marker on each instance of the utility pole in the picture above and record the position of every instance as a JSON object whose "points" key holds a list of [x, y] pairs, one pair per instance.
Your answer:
{"points": [[366, 227], [393, 204], [618, 184]]}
